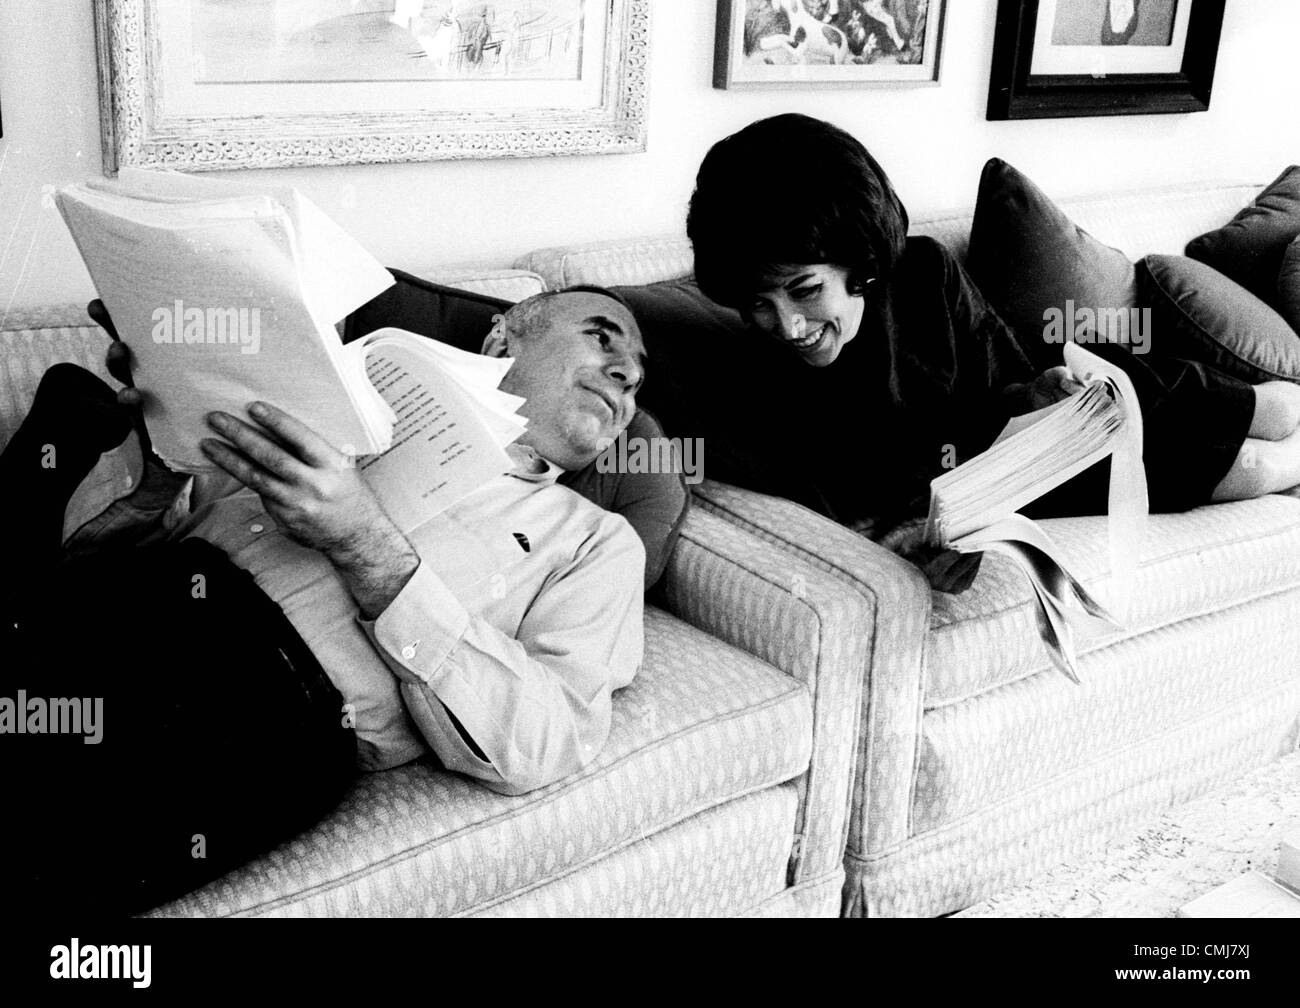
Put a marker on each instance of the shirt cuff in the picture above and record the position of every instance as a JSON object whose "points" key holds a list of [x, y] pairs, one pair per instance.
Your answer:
{"points": [[420, 628]]}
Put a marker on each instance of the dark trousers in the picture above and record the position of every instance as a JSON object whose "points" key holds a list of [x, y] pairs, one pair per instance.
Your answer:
{"points": [[218, 735]]}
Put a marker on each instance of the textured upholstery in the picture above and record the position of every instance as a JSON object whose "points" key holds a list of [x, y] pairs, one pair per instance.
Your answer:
{"points": [[958, 796], [723, 861], [702, 724], [896, 636], [1192, 563], [792, 615], [612, 263], [507, 284], [1138, 223]]}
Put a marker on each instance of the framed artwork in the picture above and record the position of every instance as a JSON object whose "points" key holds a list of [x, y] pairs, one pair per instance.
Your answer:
{"points": [[795, 43], [1054, 58], [217, 84]]}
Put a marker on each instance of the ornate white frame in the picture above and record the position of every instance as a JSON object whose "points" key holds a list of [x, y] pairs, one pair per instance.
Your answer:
{"points": [[135, 131]]}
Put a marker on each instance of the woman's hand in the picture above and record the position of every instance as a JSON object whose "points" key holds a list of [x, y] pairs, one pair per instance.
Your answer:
{"points": [[1052, 386]]}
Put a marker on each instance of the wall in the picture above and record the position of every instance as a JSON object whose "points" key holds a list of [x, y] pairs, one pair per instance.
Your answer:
{"points": [[932, 140]]}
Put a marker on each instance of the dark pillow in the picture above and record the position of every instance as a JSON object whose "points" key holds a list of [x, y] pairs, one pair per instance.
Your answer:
{"points": [[1288, 285], [1249, 248], [705, 363], [459, 317], [654, 504], [1198, 314], [1026, 257]]}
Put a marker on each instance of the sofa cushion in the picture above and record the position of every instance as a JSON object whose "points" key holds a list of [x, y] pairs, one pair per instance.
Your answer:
{"points": [[1192, 563], [702, 724], [1288, 285], [450, 314], [1199, 314], [1158, 715], [1028, 258], [1249, 248], [690, 341]]}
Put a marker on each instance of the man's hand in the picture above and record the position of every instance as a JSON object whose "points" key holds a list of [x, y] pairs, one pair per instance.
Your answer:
{"points": [[1052, 386], [315, 495]]}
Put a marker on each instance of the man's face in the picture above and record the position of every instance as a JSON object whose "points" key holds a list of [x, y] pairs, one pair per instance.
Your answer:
{"points": [[580, 371]]}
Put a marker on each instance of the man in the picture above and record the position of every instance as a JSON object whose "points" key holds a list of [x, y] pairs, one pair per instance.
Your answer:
{"points": [[493, 635], [504, 623]]}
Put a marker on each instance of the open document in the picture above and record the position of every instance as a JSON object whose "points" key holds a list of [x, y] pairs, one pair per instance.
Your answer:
{"points": [[229, 293], [973, 507]]}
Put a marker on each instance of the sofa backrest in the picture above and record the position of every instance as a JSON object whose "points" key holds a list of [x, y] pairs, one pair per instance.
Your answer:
{"points": [[1138, 223], [1162, 220]]}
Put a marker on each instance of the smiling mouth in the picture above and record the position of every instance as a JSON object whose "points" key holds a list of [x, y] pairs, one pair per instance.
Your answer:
{"points": [[811, 339]]}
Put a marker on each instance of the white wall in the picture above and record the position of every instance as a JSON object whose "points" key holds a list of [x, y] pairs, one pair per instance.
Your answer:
{"points": [[932, 140]]}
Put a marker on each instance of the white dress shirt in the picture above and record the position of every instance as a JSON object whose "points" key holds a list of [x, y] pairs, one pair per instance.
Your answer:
{"points": [[524, 614]]}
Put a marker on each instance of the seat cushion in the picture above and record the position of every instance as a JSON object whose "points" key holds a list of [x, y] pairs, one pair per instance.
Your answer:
{"points": [[702, 724], [1192, 563]]}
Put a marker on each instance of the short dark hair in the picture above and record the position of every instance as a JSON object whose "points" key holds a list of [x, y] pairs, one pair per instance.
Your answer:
{"points": [[790, 190]]}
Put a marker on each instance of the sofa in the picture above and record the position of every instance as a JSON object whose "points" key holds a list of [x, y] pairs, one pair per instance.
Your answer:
{"points": [[814, 731], [978, 765]]}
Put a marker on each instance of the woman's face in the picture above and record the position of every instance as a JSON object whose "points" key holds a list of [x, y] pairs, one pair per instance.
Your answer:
{"points": [[809, 309]]}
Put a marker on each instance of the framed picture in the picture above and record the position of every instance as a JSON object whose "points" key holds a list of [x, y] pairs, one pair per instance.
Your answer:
{"points": [[816, 42], [1054, 58], [216, 84]]}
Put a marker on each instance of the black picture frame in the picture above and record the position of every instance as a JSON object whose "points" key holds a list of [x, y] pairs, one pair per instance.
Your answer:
{"points": [[1015, 93]]}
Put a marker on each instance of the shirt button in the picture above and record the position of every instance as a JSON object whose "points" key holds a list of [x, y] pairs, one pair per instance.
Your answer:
{"points": [[408, 652], [128, 481], [256, 528]]}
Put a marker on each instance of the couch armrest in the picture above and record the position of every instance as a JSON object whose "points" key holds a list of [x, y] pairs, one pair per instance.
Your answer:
{"points": [[895, 632], [801, 620]]}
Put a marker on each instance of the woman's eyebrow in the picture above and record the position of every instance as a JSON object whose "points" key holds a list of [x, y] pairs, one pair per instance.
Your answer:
{"points": [[796, 281]]}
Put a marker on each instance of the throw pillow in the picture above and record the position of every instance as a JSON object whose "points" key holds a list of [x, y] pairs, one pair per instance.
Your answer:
{"points": [[1250, 247], [458, 317], [1288, 285], [690, 342], [1199, 314], [1035, 267]]}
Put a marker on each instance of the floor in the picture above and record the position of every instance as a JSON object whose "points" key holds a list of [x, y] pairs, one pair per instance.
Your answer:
{"points": [[1180, 856]]}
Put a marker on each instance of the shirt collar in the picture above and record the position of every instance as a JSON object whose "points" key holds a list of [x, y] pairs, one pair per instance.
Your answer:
{"points": [[531, 466]]}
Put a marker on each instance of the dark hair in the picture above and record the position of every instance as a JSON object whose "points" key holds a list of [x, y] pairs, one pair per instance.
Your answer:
{"points": [[790, 190]]}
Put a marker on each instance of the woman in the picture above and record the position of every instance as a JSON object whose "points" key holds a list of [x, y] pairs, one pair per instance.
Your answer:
{"points": [[910, 370]]}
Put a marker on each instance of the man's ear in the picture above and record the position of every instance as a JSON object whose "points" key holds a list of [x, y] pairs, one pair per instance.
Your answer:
{"points": [[497, 343]]}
